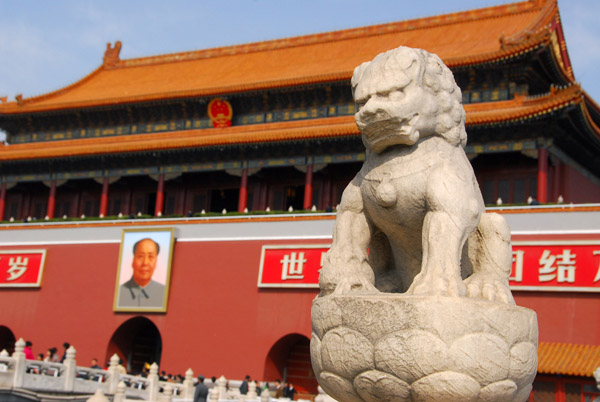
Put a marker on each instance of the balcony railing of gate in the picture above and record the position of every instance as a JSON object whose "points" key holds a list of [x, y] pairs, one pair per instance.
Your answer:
{"points": [[18, 373]]}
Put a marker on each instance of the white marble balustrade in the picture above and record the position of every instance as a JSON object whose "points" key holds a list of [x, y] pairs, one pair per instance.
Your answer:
{"points": [[16, 373]]}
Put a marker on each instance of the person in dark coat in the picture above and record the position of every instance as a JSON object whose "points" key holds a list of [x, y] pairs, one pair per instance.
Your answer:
{"points": [[289, 391], [201, 392], [66, 345], [244, 386]]}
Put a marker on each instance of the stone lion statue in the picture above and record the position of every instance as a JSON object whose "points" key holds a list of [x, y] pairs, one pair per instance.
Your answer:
{"points": [[412, 220]]}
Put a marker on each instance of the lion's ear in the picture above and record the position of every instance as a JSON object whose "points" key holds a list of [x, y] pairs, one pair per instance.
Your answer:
{"points": [[358, 72]]}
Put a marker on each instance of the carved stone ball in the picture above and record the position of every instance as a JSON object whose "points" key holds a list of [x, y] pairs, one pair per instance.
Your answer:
{"points": [[390, 347]]}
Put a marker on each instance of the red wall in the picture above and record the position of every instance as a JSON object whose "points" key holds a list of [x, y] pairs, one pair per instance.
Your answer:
{"points": [[564, 317], [218, 320], [577, 188]]}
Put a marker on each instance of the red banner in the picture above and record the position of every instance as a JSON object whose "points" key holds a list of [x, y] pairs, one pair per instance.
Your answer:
{"points": [[558, 266], [543, 266], [291, 266], [21, 268]]}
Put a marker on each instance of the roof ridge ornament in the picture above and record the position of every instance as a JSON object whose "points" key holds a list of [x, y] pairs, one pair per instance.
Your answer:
{"points": [[111, 55], [539, 27]]}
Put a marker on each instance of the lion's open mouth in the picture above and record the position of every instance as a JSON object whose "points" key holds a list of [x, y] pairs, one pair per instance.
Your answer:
{"points": [[383, 130]]}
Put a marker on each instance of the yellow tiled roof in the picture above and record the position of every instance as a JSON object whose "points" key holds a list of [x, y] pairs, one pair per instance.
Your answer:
{"points": [[568, 359], [463, 38]]}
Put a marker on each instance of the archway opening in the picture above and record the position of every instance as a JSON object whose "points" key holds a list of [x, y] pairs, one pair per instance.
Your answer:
{"points": [[7, 340], [289, 360], [137, 342]]}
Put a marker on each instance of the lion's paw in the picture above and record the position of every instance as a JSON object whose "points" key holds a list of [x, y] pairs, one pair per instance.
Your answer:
{"points": [[488, 287]]}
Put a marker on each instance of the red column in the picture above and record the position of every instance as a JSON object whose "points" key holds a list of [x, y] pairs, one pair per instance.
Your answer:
{"points": [[263, 195], [26, 206], [243, 201], [51, 200], [542, 176], [127, 208], [557, 180], [76, 201], [560, 395], [160, 194], [327, 193], [104, 198], [2, 200], [181, 197], [308, 187]]}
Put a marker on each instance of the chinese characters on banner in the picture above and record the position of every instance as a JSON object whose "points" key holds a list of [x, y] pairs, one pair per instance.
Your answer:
{"points": [[564, 266], [291, 266], [21, 268]]}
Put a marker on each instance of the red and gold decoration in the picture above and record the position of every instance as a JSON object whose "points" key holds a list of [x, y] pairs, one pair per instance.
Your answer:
{"points": [[21, 268], [220, 112]]}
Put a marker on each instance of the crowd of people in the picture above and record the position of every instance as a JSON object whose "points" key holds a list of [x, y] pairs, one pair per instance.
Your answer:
{"points": [[51, 354], [282, 390]]}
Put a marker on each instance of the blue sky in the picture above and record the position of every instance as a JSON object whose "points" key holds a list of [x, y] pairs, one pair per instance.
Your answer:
{"points": [[46, 45]]}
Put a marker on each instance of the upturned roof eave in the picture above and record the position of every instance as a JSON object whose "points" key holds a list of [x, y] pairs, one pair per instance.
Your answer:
{"points": [[515, 111], [236, 135]]}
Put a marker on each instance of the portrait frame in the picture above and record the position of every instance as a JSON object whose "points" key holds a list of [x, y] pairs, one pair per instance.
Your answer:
{"points": [[130, 297]]}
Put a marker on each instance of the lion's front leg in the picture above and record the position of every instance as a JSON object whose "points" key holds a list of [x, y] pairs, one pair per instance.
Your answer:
{"points": [[345, 267], [454, 211], [489, 252], [440, 269]]}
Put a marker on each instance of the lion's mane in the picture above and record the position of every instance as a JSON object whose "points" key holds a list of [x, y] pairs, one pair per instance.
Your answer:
{"points": [[402, 65]]}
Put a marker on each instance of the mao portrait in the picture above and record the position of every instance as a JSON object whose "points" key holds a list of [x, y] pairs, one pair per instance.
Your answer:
{"points": [[144, 270]]}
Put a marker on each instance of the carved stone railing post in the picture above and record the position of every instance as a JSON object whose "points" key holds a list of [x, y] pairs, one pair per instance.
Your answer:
{"points": [[69, 366], [597, 377], [252, 391], [120, 393], [167, 393], [98, 397], [19, 356], [114, 375], [153, 383], [188, 385], [213, 394], [4, 353], [222, 387]]}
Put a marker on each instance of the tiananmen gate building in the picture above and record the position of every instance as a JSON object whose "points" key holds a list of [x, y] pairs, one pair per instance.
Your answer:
{"points": [[226, 151]]}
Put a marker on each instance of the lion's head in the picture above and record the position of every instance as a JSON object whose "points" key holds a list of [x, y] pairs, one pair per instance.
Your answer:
{"points": [[405, 94]]}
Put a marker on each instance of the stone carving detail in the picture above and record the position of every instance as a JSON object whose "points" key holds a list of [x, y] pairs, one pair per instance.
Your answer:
{"points": [[414, 302]]}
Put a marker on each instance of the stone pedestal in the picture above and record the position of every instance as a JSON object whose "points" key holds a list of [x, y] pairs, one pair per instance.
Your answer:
{"points": [[390, 347]]}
